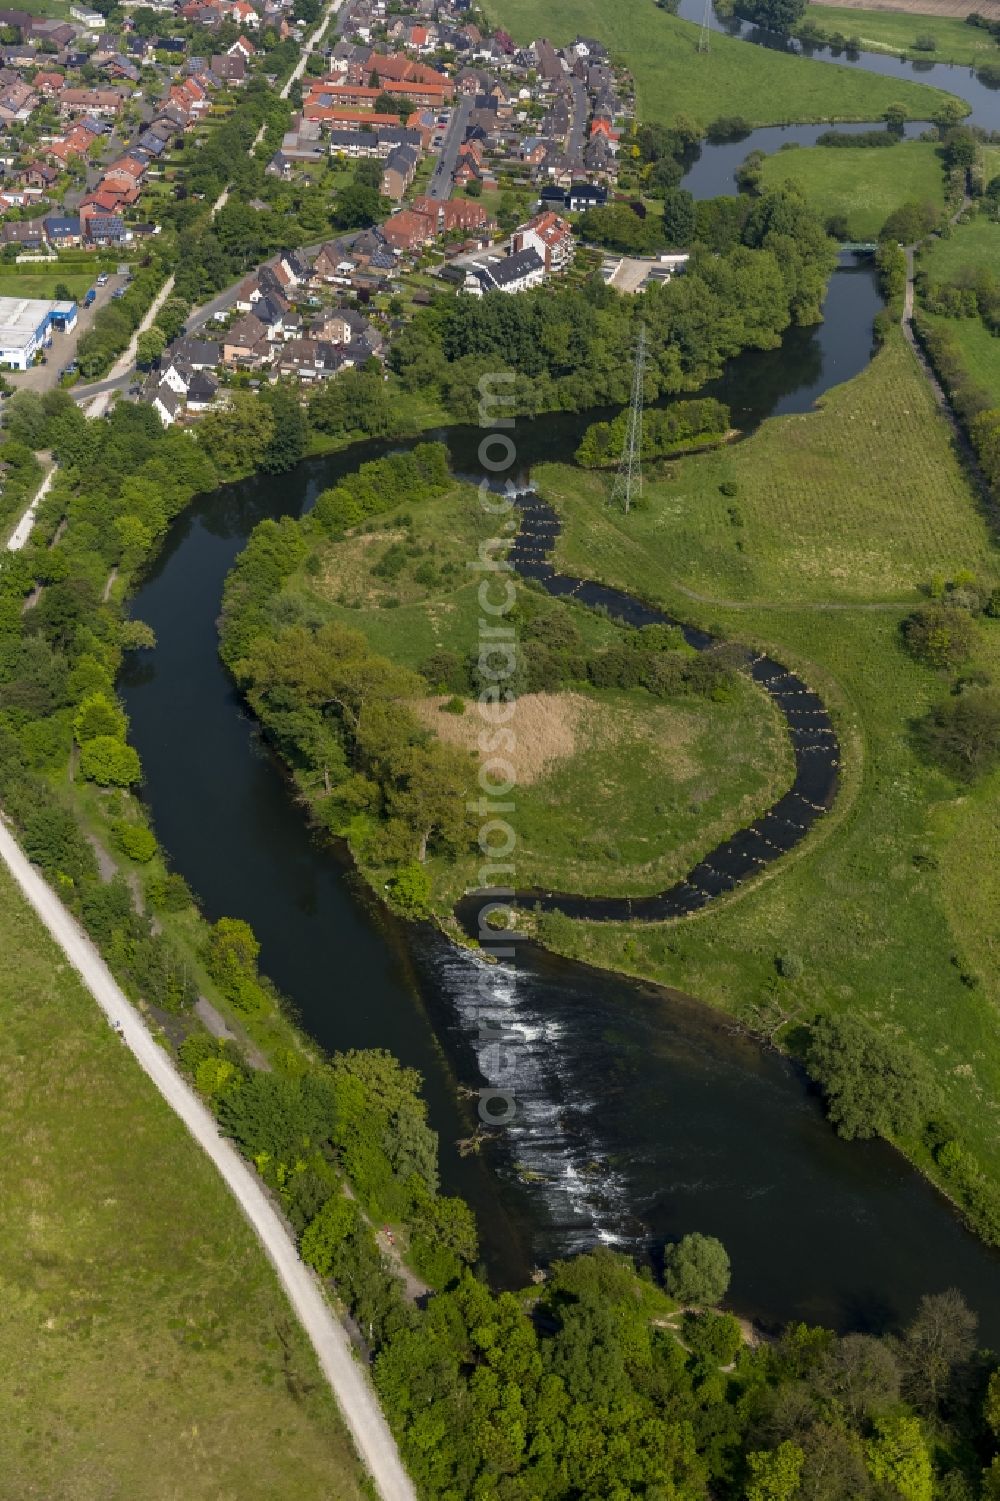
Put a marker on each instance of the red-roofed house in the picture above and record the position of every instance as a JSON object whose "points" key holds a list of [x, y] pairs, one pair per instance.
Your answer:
{"points": [[550, 235], [408, 230]]}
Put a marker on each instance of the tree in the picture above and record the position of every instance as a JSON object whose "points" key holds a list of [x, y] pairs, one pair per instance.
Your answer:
{"points": [[110, 762], [357, 207], [962, 734], [897, 1458], [696, 1269], [940, 1338], [860, 1374], [290, 432], [237, 436], [149, 346], [410, 889], [895, 116], [233, 951], [99, 715], [773, 15], [773, 1475], [324, 1235], [873, 1087], [943, 636], [680, 217]]}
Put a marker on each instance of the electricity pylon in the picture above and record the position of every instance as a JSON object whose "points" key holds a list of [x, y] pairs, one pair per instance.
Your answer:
{"points": [[705, 35], [628, 481]]}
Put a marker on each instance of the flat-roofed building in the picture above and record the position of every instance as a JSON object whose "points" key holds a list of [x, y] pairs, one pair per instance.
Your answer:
{"points": [[26, 326]]}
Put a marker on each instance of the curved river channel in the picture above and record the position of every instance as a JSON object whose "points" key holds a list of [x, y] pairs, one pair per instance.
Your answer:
{"points": [[641, 1115], [713, 164]]}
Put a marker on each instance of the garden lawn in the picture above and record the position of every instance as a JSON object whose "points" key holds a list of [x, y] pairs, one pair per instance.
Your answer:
{"points": [[896, 31], [861, 185], [891, 904], [733, 78], [147, 1347], [861, 500]]}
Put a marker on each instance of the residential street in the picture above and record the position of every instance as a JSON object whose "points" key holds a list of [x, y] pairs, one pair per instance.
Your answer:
{"points": [[440, 183]]}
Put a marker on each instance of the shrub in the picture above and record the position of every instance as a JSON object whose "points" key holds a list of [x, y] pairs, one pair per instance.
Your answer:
{"points": [[110, 762], [135, 841], [962, 734], [942, 636]]}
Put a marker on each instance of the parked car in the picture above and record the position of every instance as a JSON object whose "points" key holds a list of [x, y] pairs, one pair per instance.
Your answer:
{"points": [[119, 292], [90, 298], [103, 279]]}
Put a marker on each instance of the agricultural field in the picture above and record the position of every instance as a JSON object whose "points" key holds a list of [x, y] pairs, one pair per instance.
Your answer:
{"points": [[968, 247], [147, 1347], [877, 907], [862, 186], [897, 31], [672, 78]]}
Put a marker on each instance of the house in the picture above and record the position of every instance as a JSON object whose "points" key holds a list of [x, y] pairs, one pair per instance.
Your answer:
{"points": [[202, 391], [166, 404], [106, 229], [38, 175], [455, 214], [339, 327], [246, 341], [92, 20], [62, 230], [49, 83], [29, 235], [408, 231], [400, 170], [585, 195], [514, 273], [100, 102], [230, 68], [550, 235], [244, 15], [199, 354]]}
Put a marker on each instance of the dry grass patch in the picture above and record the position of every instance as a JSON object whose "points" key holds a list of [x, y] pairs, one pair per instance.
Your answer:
{"points": [[545, 727]]}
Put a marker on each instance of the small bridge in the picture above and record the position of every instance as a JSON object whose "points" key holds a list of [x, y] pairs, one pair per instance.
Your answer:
{"points": [[860, 247]]}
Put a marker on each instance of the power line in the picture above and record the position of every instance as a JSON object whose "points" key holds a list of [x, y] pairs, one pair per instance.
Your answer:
{"points": [[628, 481]]}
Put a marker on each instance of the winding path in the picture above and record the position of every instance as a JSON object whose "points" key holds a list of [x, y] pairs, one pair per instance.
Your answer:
{"points": [[773, 834], [348, 1379]]}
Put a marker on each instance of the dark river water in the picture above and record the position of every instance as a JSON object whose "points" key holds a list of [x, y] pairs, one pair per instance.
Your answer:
{"points": [[713, 168], [641, 1116]]}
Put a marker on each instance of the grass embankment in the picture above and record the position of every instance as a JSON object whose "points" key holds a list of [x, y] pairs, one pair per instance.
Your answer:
{"points": [[968, 248], [861, 185], [672, 78], [148, 1349], [887, 906], [897, 31]]}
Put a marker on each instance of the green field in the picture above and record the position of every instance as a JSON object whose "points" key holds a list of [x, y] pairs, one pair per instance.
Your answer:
{"points": [[884, 906], [861, 185], [897, 30], [673, 78], [968, 247], [44, 285], [860, 501], [147, 1348]]}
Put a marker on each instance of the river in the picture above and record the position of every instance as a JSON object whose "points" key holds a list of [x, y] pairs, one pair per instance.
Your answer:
{"points": [[713, 165], [642, 1116]]}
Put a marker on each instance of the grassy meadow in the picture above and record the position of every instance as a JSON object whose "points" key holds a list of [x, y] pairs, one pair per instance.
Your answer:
{"points": [[672, 78], [44, 285], [843, 514], [897, 31], [968, 247], [147, 1347], [862, 185]]}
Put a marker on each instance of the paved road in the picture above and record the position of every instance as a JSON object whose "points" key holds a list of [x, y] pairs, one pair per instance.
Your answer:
{"points": [[577, 131], [329, 1339], [440, 183]]}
